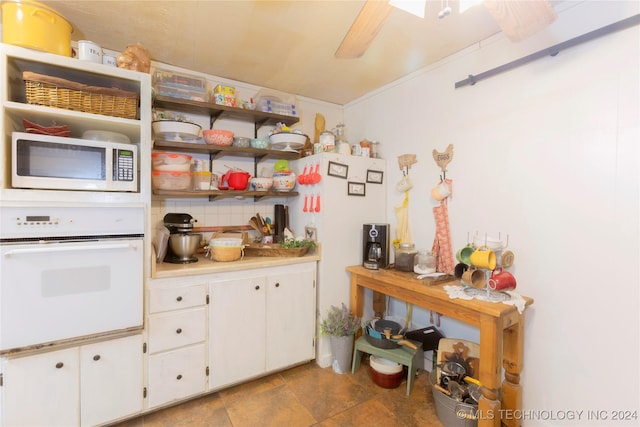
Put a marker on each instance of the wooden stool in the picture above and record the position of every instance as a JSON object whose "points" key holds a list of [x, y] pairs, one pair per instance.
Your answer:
{"points": [[412, 359]]}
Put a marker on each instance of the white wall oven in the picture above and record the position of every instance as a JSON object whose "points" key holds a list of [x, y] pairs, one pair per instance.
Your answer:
{"points": [[61, 163], [69, 272]]}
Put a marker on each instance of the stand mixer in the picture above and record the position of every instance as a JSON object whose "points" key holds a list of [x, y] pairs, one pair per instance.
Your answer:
{"points": [[183, 244]]}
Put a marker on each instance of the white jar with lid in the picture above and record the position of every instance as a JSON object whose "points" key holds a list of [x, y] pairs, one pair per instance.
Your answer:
{"points": [[327, 140]]}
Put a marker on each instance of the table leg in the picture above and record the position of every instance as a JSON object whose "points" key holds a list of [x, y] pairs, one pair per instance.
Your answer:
{"points": [[490, 371], [379, 304], [356, 302], [513, 338]]}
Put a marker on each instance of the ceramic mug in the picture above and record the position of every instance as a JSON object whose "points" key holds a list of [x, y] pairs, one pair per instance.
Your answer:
{"points": [[460, 269], [501, 280], [504, 258], [464, 254], [474, 277], [483, 257], [440, 191]]}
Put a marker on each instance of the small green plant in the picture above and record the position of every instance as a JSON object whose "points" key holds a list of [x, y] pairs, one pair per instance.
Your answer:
{"points": [[340, 322], [290, 243]]}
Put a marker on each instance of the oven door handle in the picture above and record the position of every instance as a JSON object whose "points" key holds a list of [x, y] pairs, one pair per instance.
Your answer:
{"points": [[60, 248]]}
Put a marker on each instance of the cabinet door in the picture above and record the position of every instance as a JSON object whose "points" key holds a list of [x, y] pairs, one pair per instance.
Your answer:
{"points": [[290, 318], [177, 374], [111, 380], [42, 390], [236, 330]]}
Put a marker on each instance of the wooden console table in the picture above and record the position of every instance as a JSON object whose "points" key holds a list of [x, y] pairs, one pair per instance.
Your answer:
{"points": [[501, 334]]}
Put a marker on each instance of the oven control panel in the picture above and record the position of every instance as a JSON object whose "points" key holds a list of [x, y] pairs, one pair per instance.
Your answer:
{"points": [[24, 222]]}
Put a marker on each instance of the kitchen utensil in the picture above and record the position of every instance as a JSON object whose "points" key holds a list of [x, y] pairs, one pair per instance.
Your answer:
{"points": [[306, 203], [260, 143], [303, 177], [236, 180], [315, 177], [170, 162], [262, 183], [317, 208], [451, 372]]}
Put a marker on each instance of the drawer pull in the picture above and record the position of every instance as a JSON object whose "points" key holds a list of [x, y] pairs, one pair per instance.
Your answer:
{"points": [[179, 299], [179, 377], [257, 287], [96, 357], [59, 365], [179, 331], [277, 284]]}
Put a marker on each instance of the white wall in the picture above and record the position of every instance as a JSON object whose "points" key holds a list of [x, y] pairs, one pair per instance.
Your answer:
{"points": [[548, 154]]}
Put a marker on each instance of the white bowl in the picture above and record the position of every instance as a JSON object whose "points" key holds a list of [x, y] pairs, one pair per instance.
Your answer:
{"points": [[261, 183], [384, 366], [284, 181], [493, 243]]}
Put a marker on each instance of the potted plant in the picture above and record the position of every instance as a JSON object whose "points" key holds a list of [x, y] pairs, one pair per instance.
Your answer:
{"points": [[340, 325]]}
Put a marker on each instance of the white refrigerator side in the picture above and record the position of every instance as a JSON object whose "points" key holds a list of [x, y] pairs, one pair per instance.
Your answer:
{"points": [[338, 224]]}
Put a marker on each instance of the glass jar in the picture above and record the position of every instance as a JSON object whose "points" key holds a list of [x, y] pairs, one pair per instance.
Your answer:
{"points": [[405, 257], [425, 262]]}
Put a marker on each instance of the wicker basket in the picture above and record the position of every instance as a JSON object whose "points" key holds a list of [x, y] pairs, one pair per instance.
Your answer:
{"points": [[60, 93]]}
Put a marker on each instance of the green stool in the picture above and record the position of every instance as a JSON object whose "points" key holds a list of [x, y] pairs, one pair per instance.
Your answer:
{"points": [[412, 359]]}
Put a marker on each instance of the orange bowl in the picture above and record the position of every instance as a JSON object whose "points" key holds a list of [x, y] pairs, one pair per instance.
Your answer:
{"points": [[218, 136]]}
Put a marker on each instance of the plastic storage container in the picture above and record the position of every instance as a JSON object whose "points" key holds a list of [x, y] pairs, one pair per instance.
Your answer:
{"points": [[173, 162], [180, 85], [169, 180]]}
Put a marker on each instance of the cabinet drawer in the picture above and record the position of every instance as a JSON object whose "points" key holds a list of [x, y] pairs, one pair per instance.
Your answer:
{"points": [[177, 374], [174, 298], [177, 328]]}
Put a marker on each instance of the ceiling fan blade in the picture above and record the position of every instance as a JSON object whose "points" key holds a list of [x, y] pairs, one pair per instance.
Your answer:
{"points": [[364, 29], [520, 19]]}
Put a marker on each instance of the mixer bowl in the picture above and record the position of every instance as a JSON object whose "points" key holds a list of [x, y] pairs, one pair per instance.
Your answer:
{"points": [[184, 246]]}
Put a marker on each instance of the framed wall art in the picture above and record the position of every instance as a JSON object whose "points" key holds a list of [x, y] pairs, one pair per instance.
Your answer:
{"points": [[338, 169], [374, 176], [356, 189]]}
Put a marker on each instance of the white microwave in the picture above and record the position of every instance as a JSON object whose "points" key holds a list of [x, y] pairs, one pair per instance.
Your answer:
{"points": [[61, 163]]}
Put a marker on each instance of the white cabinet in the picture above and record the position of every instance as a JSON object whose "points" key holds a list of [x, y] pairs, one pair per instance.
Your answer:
{"points": [[15, 107], [260, 321], [290, 318], [111, 380], [177, 337], [237, 325], [85, 385]]}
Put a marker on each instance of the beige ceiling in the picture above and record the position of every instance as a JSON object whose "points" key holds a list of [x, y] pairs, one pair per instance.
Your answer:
{"points": [[284, 45]]}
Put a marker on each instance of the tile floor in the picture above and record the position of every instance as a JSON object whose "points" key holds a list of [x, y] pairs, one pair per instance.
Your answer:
{"points": [[306, 395]]}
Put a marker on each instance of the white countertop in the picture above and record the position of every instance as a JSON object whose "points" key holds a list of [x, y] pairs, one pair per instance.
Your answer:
{"points": [[206, 266]]}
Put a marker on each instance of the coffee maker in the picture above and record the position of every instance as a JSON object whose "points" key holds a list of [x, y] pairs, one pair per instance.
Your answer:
{"points": [[375, 246], [181, 238]]}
